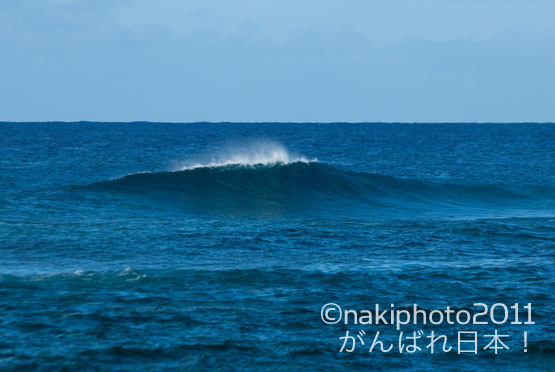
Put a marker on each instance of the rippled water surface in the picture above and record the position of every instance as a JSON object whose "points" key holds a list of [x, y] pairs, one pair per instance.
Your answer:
{"points": [[214, 246]]}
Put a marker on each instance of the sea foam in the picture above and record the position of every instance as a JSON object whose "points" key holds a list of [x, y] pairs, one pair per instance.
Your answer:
{"points": [[259, 153]]}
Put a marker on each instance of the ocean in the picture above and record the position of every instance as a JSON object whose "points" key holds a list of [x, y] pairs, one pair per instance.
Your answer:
{"points": [[216, 246]]}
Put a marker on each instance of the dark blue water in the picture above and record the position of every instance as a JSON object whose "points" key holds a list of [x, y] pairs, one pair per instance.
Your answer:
{"points": [[215, 246]]}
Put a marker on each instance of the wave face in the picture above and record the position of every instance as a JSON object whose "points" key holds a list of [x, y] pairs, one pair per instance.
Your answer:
{"points": [[310, 187]]}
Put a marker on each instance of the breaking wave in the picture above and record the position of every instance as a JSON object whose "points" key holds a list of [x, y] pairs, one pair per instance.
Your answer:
{"points": [[279, 184]]}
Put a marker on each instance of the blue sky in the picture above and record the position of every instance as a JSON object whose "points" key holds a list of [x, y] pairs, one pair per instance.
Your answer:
{"points": [[260, 60]]}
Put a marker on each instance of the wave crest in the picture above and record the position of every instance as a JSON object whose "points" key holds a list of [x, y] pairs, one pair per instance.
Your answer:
{"points": [[259, 153]]}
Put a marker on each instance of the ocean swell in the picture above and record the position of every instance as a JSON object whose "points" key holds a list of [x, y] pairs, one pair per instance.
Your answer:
{"points": [[309, 187]]}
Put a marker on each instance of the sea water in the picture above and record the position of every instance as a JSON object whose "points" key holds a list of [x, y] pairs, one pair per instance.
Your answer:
{"points": [[203, 246]]}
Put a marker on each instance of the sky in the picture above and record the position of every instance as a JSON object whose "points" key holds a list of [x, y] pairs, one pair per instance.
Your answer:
{"points": [[286, 60]]}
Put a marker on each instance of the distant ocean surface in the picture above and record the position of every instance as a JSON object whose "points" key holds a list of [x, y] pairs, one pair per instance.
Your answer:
{"points": [[131, 246]]}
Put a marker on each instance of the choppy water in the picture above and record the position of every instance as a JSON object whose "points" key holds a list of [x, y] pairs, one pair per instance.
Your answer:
{"points": [[214, 246]]}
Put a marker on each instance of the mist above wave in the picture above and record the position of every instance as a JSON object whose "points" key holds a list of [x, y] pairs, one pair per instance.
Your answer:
{"points": [[258, 153]]}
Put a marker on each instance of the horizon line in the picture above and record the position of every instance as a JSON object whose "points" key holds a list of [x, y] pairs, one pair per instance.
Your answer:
{"points": [[270, 122]]}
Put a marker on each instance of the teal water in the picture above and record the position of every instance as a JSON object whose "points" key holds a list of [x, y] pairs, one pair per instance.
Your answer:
{"points": [[214, 246]]}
